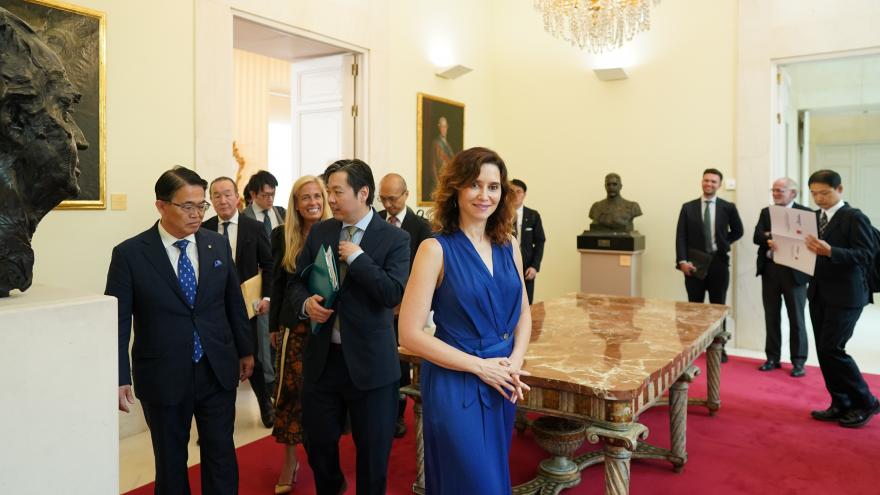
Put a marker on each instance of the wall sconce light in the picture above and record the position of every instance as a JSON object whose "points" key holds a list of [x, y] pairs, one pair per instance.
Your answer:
{"points": [[453, 72], [612, 74]]}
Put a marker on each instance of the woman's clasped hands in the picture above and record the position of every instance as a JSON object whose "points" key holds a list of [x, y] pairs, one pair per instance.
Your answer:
{"points": [[503, 374]]}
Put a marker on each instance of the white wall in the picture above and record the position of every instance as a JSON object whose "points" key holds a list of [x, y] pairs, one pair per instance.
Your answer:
{"points": [[561, 130]]}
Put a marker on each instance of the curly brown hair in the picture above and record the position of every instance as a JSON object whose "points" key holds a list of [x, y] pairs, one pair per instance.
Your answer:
{"points": [[459, 174]]}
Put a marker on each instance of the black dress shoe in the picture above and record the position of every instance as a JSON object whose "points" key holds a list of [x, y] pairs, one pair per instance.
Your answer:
{"points": [[723, 356], [267, 415], [798, 371], [856, 418], [400, 429], [833, 413], [769, 365]]}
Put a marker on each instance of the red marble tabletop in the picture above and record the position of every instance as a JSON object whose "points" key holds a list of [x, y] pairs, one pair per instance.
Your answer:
{"points": [[614, 346]]}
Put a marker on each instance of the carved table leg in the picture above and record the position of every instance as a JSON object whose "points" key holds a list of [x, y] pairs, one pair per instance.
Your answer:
{"points": [[419, 485], [620, 443], [678, 402], [713, 373]]}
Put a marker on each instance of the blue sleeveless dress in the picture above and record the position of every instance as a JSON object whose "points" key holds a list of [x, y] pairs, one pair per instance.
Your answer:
{"points": [[468, 425]]}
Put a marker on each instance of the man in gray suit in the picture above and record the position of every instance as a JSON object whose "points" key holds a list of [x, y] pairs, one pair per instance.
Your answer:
{"points": [[261, 189]]}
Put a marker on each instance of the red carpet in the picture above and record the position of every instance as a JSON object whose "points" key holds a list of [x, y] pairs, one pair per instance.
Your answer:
{"points": [[762, 441]]}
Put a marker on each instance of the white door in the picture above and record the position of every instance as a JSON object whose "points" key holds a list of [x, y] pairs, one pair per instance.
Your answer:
{"points": [[322, 120], [859, 169]]}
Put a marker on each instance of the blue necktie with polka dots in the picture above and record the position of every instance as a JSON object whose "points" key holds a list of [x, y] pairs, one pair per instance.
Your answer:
{"points": [[186, 276]]}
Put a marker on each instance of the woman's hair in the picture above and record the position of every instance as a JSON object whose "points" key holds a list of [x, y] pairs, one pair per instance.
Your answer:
{"points": [[460, 173], [294, 240]]}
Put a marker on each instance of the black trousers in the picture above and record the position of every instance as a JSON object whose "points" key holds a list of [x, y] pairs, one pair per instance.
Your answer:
{"points": [[214, 410], [716, 282], [258, 380], [832, 328], [778, 284], [530, 289], [325, 406]]}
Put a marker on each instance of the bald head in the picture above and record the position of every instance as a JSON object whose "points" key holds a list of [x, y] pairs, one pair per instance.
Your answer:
{"points": [[393, 193]]}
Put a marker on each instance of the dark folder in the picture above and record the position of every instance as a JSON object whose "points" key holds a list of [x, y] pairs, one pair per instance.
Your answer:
{"points": [[701, 260], [323, 279]]}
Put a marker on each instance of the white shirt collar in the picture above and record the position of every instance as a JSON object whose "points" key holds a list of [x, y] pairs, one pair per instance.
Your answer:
{"points": [[711, 200], [168, 240], [831, 211], [400, 216], [233, 220]]}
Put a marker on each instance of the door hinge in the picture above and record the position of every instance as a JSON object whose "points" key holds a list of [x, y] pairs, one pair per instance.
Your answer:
{"points": [[354, 110], [354, 70], [779, 78], [778, 118]]}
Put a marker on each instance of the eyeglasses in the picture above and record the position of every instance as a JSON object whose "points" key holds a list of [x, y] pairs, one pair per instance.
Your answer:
{"points": [[191, 208], [391, 199], [267, 195], [779, 191]]}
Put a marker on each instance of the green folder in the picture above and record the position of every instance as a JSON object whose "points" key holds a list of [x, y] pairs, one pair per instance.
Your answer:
{"points": [[323, 278]]}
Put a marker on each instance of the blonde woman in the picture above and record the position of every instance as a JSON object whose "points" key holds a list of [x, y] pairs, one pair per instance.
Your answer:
{"points": [[307, 206]]}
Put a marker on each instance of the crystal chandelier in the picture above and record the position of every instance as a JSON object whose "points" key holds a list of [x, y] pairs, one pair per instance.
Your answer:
{"points": [[598, 24]]}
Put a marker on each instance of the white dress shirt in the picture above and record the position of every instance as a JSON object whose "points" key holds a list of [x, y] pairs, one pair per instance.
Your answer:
{"points": [[233, 230], [260, 213], [173, 252], [831, 211], [519, 217], [335, 336], [400, 217]]}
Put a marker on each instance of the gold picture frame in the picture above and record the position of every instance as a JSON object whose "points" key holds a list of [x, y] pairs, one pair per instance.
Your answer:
{"points": [[78, 37], [435, 146]]}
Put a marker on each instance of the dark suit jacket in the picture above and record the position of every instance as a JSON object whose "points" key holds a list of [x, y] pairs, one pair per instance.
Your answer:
{"points": [[841, 279], [280, 213], [252, 250], [365, 304], [142, 279], [689, 232], [531, 239], [417, 227], [760, 238]]}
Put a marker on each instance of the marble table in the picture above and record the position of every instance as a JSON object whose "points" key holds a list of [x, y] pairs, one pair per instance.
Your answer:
{"points": [[598, 362]]}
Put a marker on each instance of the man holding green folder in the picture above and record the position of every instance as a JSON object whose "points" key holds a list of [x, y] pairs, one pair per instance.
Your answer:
{"points": [[350, 365]]}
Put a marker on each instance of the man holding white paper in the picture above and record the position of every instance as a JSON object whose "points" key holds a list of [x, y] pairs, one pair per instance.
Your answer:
{"points": [[780, 282], [252, 254], [838, 293]]}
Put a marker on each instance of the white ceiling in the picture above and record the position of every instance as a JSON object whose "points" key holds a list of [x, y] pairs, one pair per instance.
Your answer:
{"points": [[256, 38]]}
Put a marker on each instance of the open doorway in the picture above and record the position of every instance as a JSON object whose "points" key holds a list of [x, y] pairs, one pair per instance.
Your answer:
{"points": [[296, 105], [829, 118]]}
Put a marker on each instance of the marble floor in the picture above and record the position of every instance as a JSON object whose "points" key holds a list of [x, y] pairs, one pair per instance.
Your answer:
{"points": [[136, 453]]}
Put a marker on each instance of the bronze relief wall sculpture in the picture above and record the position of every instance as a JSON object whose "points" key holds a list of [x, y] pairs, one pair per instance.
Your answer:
{"points": [[39, 144]]}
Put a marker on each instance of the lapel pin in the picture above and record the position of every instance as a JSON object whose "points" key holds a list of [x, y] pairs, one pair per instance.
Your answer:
{"points": [[217, 263], [209, 246]]}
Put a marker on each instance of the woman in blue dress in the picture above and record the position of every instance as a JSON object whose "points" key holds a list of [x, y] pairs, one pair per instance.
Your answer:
{"points": [[470, 274]]}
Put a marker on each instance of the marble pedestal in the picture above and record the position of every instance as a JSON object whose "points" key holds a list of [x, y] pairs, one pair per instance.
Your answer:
{"points": [[59, 426], [616, 273]]}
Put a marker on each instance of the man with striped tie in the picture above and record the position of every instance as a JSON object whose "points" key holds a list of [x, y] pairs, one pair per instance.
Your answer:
{"points": [[838, 293], [177, 284]]}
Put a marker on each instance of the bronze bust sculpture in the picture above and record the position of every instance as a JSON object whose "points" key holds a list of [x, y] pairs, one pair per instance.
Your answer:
{"points": [[39, 140], [613, 214]]}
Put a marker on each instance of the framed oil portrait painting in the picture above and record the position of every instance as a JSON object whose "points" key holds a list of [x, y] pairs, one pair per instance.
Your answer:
{"points": [[440, 135], [77, 36]]}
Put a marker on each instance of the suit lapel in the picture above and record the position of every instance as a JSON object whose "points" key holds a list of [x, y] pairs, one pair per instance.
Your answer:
{"points": [[206, 250], [720, 219], [835, 220], [367, 243], [156, 255]]}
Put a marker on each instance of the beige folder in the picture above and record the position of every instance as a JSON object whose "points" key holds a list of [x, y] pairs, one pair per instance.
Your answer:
{"points": [[252, 292]]}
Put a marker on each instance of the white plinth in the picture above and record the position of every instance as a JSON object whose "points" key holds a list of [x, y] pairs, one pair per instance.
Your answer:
{"points": [[59, 428], [618, 273]]}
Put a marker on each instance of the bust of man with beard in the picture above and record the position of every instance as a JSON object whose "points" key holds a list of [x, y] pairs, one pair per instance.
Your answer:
{"points": [[38, 145]]}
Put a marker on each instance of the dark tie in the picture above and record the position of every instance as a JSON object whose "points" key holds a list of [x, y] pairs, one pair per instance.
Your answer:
{"points": [[343, 267], [392, 219], [823, 224], [226, 229], [186, 276], [707, 227], [267, 224]]}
